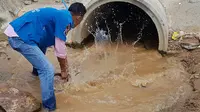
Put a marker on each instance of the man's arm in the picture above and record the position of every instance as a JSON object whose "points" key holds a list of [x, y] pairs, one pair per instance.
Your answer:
{"points": [[60, 52], [62, 27]]}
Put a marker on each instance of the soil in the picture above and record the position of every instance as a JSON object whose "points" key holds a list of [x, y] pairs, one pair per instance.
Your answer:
{"points": [[191, 62]]}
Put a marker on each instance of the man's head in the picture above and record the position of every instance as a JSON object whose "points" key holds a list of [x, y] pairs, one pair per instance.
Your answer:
{"points": [[77, 10]]}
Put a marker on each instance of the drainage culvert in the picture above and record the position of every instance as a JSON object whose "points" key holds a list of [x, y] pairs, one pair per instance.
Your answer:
{"points": [[133, 20]]}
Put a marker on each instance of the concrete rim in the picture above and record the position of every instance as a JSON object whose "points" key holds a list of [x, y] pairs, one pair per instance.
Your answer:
{"points": [[152, 7]]}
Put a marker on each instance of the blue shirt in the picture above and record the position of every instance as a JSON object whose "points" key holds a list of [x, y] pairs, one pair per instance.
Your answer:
{"points": [[41, 26]]}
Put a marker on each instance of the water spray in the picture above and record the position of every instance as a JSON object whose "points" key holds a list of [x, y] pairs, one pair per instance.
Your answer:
{"points": [[140, 34]]}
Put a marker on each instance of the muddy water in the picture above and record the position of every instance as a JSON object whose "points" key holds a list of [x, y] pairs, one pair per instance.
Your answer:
{"points": [[116, 78], [113, 79]]}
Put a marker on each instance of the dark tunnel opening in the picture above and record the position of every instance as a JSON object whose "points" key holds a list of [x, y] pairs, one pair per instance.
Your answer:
{"points": [[136, 24]]}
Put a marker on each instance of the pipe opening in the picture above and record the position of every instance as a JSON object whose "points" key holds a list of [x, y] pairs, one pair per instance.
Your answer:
{"points": [[123, 19]]}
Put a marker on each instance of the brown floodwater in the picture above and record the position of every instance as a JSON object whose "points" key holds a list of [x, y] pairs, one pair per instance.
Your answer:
{"points": [[114, 78]]}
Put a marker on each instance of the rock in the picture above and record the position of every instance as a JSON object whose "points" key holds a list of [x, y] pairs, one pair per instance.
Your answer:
{"points": [[27, 2], [189, 46], [190, 40], [190, 43], [14, 100]]}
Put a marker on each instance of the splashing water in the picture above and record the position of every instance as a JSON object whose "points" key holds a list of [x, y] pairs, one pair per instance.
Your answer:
{"points": [[139, 37], [119, 35], [109, 31], [101, 37], [140, 34]]}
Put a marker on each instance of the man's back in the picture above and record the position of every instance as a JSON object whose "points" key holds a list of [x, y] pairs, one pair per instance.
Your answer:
{"points": [[39, 25]]}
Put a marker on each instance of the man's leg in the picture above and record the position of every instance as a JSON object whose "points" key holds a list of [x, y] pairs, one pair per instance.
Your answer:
{"points": [[45, 69], [35, 72]]}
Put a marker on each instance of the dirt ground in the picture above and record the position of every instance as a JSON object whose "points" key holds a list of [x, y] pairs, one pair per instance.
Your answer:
{"points": [[191, 62]]}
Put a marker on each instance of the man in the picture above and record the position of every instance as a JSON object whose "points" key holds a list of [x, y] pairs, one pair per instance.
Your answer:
{"points": [[35, 31]]}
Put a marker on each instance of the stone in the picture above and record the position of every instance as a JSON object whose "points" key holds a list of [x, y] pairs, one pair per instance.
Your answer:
{"points": [[27, 2], [15, 100], [190, 42]]}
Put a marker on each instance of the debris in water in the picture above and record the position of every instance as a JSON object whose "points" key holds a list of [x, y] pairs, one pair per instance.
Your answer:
{"points": [[141, 83]]}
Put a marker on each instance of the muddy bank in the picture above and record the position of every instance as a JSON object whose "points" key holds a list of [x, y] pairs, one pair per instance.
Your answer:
{"points": [[14, 100], [190, 61]]}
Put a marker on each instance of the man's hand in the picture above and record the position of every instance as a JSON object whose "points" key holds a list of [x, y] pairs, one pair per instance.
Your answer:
{"points": [[65, 74]]}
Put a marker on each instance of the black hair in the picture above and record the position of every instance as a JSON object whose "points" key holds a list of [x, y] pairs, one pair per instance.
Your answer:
{"points": [[77, 9]]}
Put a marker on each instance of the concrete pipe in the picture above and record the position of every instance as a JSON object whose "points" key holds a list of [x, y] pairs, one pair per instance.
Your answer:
{"points": [[151, 11]]}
